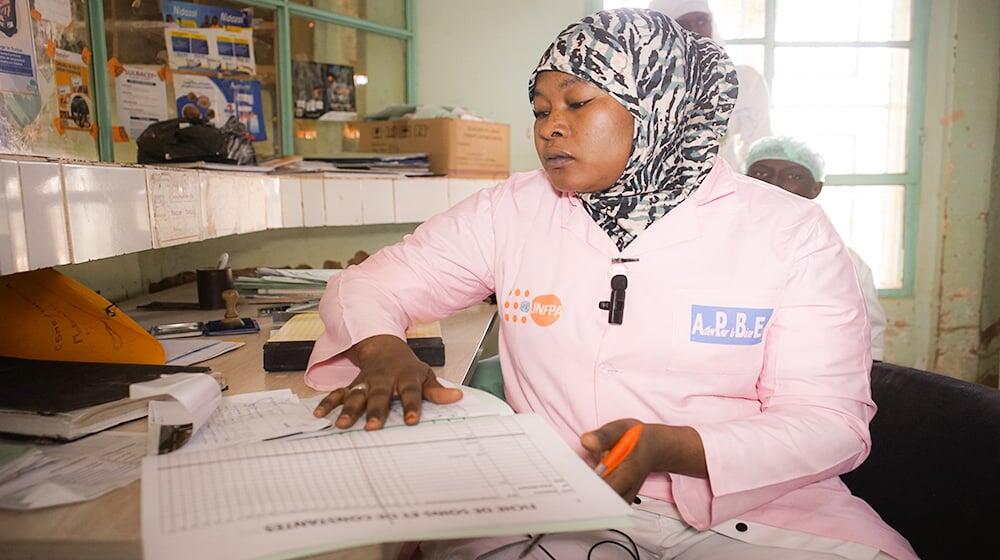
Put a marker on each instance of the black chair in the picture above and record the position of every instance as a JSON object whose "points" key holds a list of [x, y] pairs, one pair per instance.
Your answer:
{"points": [[934, 470]]}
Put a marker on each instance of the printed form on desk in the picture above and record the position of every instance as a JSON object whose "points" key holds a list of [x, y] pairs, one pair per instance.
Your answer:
{"points": [[464, 478]]}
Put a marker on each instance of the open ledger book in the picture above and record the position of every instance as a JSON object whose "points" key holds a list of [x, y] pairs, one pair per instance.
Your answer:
{"points": [[468, 470]]}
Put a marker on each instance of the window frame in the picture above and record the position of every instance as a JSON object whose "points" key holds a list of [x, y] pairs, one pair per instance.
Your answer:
{"points": [[911, 178], [284, 10]]}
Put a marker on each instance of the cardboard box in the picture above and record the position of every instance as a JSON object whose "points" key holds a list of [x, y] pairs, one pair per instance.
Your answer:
{"points": [[458, 148]]}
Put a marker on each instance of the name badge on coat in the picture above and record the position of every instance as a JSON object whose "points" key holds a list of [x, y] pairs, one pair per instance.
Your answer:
{"points": [[738, 326]]}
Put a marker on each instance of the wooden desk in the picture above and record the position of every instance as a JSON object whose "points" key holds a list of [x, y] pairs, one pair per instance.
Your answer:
{"points": [[109, 527]]}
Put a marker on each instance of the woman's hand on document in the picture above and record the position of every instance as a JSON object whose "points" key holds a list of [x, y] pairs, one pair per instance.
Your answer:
{"points": [[388, 369], [661, 448]]}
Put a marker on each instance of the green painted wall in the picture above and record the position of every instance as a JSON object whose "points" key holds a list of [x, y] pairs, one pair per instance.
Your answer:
{"points": [[939, 327], [478, 54]]}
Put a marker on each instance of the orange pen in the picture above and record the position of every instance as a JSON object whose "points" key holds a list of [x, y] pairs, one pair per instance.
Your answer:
{"points": [[622, 449]]}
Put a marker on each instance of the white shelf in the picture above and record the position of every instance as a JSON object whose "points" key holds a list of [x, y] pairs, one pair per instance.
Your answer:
{"points": [[54, 213]]}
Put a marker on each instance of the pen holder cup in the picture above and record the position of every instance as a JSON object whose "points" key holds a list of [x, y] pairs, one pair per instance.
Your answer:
{"points": [[211, 283]]}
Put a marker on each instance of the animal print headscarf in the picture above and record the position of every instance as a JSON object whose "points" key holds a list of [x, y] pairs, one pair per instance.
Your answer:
{"points": [[680, 90]]}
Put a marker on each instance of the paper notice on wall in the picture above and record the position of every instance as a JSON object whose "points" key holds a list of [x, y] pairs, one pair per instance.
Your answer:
{"points": [[76, 107], [174, 206], [17, 49], [141, 95], [217, 99], [58, 11], [211, 50]]}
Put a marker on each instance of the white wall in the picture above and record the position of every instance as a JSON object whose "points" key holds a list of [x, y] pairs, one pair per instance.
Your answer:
{"points": [[479, 54]]}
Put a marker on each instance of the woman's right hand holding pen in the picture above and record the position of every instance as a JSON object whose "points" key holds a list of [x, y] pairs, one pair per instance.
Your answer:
{"points": [[659, 448], [388, 369]]}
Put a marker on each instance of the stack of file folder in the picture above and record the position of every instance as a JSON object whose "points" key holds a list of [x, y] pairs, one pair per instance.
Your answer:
{"points": [[286, 282], [408, 165]]}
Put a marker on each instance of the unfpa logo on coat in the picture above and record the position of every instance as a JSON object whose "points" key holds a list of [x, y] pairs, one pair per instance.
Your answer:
{"points": [[543, 310]]}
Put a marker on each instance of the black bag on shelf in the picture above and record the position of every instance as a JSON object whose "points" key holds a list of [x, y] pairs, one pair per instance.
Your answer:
{"points": [[181, 141], [190, 140]]}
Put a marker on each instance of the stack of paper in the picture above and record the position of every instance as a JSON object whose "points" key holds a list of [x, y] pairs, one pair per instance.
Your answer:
{"points": [[34, 477], [408, 165], [281, 281]]}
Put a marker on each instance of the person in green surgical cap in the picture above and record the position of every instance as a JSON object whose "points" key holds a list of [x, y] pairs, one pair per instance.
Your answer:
{"points": [[792, 165]]}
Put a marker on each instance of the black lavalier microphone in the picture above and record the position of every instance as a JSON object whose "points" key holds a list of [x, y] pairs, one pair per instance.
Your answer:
{"points": [[616, 307]]}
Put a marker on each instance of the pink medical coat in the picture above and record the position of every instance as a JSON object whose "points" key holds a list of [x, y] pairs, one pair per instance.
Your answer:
{"points": [[743, 319]]}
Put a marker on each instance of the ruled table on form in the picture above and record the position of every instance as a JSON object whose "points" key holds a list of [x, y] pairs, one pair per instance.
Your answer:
{"points": [[449, 477]]}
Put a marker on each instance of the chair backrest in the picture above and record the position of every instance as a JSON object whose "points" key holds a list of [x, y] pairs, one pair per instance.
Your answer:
{"points": [[934, 470]]}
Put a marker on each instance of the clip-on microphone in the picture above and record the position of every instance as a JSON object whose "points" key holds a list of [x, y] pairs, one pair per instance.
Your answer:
{"points": [[616, 307]]}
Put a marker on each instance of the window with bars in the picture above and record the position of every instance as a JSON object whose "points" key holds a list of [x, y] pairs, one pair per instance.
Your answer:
{"points": [[846, 76]]}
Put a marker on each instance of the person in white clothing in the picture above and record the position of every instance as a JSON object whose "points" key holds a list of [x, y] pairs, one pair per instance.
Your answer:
{"points": [[790, 164], [751, 118]]}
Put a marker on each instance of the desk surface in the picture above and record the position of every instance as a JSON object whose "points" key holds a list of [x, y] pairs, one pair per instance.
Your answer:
{"points": [[109, 527]]}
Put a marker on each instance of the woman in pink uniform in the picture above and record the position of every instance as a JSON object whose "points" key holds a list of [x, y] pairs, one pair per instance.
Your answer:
{"points": [[743, 345]]}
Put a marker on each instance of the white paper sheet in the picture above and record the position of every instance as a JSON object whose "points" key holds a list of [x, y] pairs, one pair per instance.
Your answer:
{"points": [[474, 403], [172, 423], [187, 352], [478, 477], [141, 98], [58, 11], [73, 472], [253, 417]]}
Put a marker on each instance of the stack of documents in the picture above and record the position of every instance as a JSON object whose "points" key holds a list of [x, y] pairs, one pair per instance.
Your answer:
{"points": [[408, 165], [68, 400], [39, 476], [33, 476], [286, 282]]}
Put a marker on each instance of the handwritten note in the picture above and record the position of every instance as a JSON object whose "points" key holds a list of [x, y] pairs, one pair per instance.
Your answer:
{"points": [[174, 206]]}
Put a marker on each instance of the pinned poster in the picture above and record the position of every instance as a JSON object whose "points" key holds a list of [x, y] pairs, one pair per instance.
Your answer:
{"points": [[217, 99], [323, 91], [76, 106], [210, 50], [17, 49], [202, 38], [141, 96], [50, 316], [58, 11], [187, 14]]}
